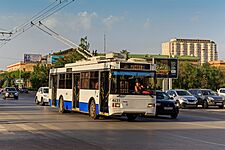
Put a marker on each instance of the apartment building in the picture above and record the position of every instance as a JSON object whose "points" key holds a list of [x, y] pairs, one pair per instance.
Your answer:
{"points": [[205, 50]]}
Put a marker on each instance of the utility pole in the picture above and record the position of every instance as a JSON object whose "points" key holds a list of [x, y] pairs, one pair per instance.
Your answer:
{"points": [[104, 43]]}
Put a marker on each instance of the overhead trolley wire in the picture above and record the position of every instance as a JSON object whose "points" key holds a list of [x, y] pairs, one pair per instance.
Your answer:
{"points": [[43, 14], [62, 39]]}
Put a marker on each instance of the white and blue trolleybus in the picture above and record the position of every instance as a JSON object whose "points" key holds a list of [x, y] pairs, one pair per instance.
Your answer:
{"points": [[104, 86]]}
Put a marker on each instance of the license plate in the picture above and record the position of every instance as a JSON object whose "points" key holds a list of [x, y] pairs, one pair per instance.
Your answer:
{"points": [[11, 95], [219, 103], [191, 103], [168, 108]]}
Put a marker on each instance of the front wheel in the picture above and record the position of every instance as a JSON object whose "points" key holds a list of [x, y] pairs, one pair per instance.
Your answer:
{"points": [[205, 104], [61, 105], [174, 116], [222, 106], [92, 110], [131, 117], [36, 101]]}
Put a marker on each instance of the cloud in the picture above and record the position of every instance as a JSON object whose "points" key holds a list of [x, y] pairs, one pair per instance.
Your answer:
{"points": [[86, 19], [110, 21], [51, 22], [147, 23]]}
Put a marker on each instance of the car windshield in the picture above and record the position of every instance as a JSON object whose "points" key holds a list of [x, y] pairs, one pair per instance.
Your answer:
{"points": [[208, 92], [222, 91], [45, 90], [162, 96], [132, 82], [183, 93], [10, 89], [196, 92]]}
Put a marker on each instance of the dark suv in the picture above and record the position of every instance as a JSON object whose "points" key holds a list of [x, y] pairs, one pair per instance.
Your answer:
{"points": [[10, 92], [207, 97]]}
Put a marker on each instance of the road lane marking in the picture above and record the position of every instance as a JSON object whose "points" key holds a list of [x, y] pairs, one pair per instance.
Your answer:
{"points": [[197, 140], [3, 130], [30, 129]]}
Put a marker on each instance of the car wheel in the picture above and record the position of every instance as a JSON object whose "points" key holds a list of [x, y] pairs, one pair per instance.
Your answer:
{"points": [[174, 116], [131, 117], [42, 102], [36, 101], [61, 105], [205, 104], [221, 107], [16, 97], [4, 97], [92, 110]]}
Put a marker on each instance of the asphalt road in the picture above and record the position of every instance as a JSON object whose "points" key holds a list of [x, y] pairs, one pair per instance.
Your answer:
{"points": [[25, 126]]}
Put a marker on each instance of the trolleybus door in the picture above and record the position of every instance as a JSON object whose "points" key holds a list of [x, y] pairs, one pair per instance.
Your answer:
{"points": [[76, 90], [54, 89], [104, 91]]}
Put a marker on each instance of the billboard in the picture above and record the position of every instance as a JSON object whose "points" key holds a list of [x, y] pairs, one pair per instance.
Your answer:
{"points": [[166, 67], [53, 59], [32, 58]]}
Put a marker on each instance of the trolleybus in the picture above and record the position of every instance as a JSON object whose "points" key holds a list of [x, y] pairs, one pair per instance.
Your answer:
{"points": [[104, 86]]}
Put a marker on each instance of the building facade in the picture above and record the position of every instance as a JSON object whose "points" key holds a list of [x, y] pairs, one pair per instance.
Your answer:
{"points": [[28, 67], [205, 50]]}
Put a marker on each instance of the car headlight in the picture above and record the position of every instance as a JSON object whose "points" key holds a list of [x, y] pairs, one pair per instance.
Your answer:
{"points": [[16, 94], [183, 99], [158, 104], [6, 94], [210, 98]]}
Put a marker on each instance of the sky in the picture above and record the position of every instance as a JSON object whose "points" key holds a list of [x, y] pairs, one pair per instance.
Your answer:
{"points": [[140, 26]]}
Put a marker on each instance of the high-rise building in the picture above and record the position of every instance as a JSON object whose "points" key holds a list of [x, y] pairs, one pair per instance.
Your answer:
{"points": [[205, 50]]}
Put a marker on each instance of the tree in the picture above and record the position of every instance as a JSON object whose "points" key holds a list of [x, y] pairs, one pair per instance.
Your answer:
{"points": [[126, 53], [39, 77], [74, 56], [198, 76]]}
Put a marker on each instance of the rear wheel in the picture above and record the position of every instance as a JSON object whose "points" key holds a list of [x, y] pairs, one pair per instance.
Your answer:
{"points": [[16, 97], [61, 105], [131, 117], [92, 110]]}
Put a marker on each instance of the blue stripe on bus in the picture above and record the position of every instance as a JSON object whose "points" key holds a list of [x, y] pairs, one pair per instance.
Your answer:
{"points": [[68, 105], [82, 106]]}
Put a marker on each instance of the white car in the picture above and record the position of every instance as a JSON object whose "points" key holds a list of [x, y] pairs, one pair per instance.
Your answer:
{"points": [[42, 96], [221, 92]]}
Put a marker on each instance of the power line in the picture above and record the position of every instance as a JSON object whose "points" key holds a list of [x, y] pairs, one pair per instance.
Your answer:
{"points": [[63, 39], [43, 14]]}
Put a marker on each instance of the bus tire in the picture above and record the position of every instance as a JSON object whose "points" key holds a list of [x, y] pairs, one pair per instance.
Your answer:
{"points": [[61, 105], [92, 110]]}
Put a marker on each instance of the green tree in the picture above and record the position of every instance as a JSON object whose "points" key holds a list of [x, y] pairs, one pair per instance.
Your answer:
{"points": [[198, 76], [126, 53], [39, 77]]}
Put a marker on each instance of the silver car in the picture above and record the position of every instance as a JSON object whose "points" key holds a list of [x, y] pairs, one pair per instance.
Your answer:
{"points": [[183, 98]]}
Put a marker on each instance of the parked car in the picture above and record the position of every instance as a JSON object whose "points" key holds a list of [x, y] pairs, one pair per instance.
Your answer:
{"points": [[42, 96], [221, 92], [183, 98], [10, 92], [207, 97], [165, 105]]}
